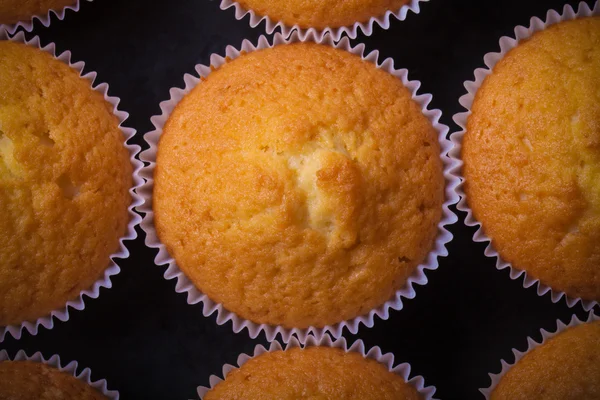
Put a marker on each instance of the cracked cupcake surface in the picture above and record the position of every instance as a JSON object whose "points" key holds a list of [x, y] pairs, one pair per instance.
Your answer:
{"points": [[13, 11], [26, 380], [321, 14], [313, 373], [298, 185], [566, 367], [64, 181], [532, 157]]}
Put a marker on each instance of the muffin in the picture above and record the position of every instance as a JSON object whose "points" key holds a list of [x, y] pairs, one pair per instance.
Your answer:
{"points": [[565, 367], [26, 380], [531, 157], [13, 11], [298, 186], [64, 181], [315, 373], [321, 14]]}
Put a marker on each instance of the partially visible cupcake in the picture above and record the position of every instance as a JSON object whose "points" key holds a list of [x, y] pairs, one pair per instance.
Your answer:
{"points": [[298, 186], [65, 176], [37, 379], [14, 11], [320, 14], [320, 18], [531, 156], [316, 373], [565, 367]]}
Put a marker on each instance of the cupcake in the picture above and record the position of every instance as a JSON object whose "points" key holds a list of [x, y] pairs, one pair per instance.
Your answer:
{"points": [[328, 16], [298, 186], [65, 177], [29, 378], [14, 11], [531, 156], [565, 367], [321, 14], [319, 370]]}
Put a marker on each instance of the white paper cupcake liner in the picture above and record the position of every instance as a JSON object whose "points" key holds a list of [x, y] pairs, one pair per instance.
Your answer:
{"points": [[70, 368], [134, 219], [532, 344], [184, 285], [44, 19], [374, 353], [490, 60], [352, 31]]}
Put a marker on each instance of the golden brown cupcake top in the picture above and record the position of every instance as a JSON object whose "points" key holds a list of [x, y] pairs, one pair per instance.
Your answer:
{"points": [[64, 181], [26, 380], [298, 185], [320, 14], [13, 11], [566, 367], [532, 157], [314, 373]]}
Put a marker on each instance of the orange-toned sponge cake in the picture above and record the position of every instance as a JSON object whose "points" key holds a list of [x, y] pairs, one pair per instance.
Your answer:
{"points": [[25, 380], [320, 14], [13, 11], [64, 181], [314, 373], [566, 367], [298, 185], [532, 157]]}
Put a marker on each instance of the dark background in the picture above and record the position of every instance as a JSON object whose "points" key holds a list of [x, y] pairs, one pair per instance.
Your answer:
{"points": [[150, 344]]}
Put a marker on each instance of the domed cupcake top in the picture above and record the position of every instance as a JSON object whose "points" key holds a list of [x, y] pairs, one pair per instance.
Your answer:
{"points": [[321, 14], [13, 11], [532, 157], [316, 373], [565, 367], [298, 185], [26, 380], [64, 181]]}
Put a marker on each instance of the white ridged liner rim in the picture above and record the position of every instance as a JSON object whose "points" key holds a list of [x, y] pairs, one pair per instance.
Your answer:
{"points": [[184, 285], [134, 219], [490, 60], [44, 19], [352, 31], [532, 344], [70, 368], [358, 346]]}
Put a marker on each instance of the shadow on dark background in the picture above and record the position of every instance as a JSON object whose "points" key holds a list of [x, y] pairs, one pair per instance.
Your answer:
{"points": [[144, 338]]}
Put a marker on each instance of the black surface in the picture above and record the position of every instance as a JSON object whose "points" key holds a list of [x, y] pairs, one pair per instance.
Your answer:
{"points": [[150, 344]]}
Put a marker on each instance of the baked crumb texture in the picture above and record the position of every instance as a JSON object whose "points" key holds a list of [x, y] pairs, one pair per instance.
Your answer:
{"points": [[13, 11], [64, 181], [532, 157], [321, 14], [313, 373], [566, 367], [298, 186], [26, 380]]}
